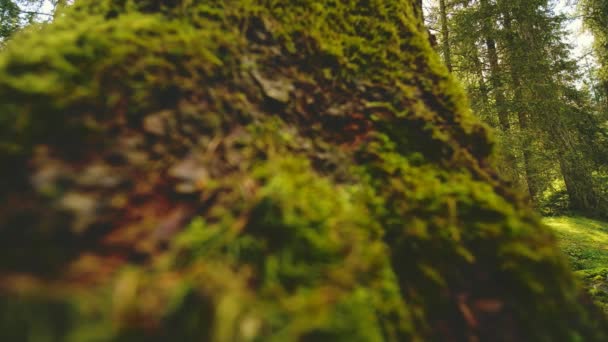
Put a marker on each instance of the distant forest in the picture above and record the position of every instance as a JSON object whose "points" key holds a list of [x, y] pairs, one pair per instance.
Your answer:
{"points": [[548, 106]]}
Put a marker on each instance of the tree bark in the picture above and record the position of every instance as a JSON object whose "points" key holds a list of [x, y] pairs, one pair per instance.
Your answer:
{"points": [[522, 116], [577, 173], [483, 87], [445, 33], [510, 169], [262, 171]]}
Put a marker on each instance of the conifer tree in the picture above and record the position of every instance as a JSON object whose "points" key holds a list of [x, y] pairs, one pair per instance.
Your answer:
{"points": [[9, 18], [519, 56], [595, 13]]}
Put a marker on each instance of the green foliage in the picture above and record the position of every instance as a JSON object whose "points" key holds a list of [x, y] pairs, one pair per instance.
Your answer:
{"points": [[512, 58], [595, 13], [259, 171], [9, 18], [16, 14], [554, 200]]}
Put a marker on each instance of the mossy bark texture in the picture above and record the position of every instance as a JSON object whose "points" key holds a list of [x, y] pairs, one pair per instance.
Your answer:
{"points": [[259, 170]]}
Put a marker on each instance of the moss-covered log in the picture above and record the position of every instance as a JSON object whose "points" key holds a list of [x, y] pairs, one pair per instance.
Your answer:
{"points": [[259, 170]]}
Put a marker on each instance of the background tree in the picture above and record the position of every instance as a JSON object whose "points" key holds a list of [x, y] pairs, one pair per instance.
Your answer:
{"points": [[512, 58], [16, 14], [10, 18], [595, 13], [445, 39]]}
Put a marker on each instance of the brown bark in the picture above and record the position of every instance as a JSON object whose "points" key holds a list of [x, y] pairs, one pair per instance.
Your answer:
{"points": [[495, 72], [522, 116], [510, 170], [483, 87], [445, 33], [577, 174]]}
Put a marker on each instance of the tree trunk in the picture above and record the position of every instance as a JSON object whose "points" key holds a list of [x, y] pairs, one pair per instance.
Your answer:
{"points": [[524, 126], [579, 186], [577, 173], [260, 171], [483, 87], [445, 33], [522, 116], [509, 169]]}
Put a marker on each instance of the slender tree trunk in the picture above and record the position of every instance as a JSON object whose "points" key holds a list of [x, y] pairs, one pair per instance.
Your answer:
{"points": [[522, 116], [510, 169], [445, 33], [483, 87], [497, 85], [524, 125], [605, 94], [495, 74]]}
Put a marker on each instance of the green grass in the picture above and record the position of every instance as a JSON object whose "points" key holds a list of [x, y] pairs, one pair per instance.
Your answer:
{"points": [[585, 242]]}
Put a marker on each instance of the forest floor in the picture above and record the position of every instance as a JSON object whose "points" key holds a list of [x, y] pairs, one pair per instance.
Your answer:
{"points": [[585, 242]]}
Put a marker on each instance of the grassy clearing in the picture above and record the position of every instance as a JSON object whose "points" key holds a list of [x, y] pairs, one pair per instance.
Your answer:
{"points": [[585, 242]]}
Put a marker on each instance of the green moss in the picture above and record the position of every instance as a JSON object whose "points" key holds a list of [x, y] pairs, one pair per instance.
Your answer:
{"points": [[584, 243], [63, 70], [260, 171]]}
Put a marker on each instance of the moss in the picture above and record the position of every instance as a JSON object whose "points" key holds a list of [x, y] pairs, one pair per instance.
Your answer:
{"points": [[259, 171], [583, 241]]}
